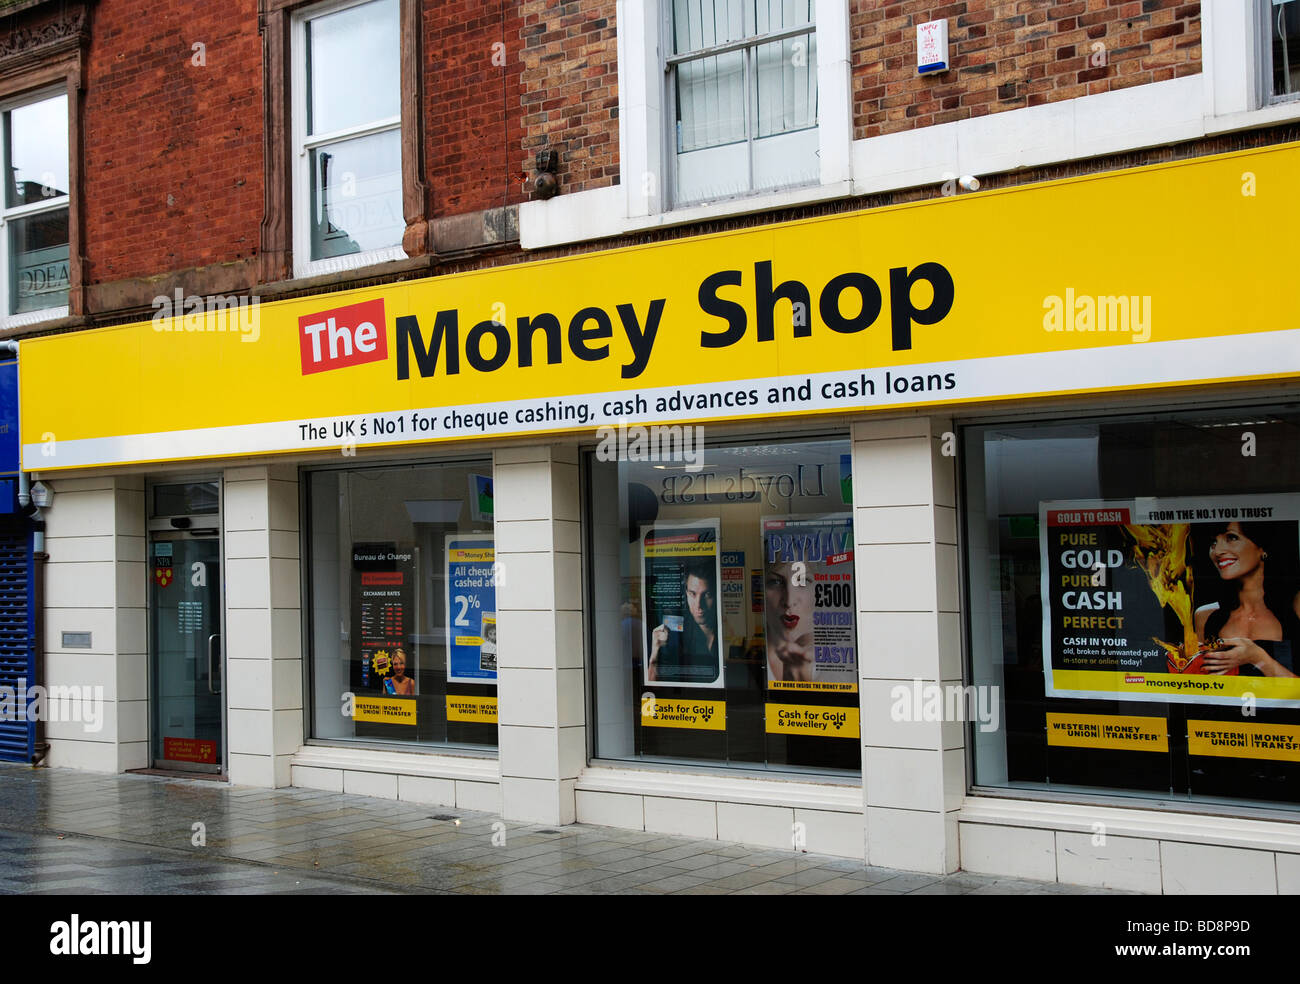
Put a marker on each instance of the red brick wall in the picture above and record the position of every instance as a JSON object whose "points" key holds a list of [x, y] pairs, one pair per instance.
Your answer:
{"points": [[570, 89], [173, 151], [1008, 54], [472, 113]]}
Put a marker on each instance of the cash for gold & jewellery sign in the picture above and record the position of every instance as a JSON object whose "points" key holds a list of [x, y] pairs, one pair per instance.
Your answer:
{"points": [[1098, 283]]}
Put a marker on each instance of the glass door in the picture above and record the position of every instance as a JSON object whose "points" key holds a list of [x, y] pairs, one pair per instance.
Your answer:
{"points": [[186, 656]]}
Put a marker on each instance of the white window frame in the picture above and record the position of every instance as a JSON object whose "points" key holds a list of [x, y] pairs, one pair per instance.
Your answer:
{"points": [[303, 264], [648, 155], [748, 44], [7, 289]]}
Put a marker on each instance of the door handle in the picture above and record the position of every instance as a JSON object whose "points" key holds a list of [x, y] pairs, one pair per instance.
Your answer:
{"points": [[215, 635]]}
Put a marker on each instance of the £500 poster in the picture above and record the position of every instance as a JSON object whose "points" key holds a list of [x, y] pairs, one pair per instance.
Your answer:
{"points": [[809, 622], [1190, 599]]}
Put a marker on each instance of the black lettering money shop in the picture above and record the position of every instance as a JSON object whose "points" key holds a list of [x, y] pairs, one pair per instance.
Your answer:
{"points": [[489, 345]]}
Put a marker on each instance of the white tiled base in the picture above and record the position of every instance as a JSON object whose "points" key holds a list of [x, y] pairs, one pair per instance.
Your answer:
{"points": [[433, 780], [780, 815], [1134, 850]]}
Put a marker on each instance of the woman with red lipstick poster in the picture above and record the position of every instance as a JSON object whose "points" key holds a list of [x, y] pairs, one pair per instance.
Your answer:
{"points": [[809, 622]]}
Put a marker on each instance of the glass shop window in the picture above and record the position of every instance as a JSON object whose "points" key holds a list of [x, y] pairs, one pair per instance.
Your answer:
{"points": [[1134, 599], [723, 608], [402, 618]]}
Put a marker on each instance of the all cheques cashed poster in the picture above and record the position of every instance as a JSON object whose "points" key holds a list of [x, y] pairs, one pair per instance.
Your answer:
{"points": [[383, 576], [471, 608], [1192, 599], [809, 624], [681, 599]]}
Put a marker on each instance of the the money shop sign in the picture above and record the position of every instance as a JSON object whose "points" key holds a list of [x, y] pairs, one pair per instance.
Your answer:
{"points": [[1126, 280]]}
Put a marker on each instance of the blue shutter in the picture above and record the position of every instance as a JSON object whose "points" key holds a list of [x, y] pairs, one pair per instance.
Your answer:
{"points": [[17, 642]]}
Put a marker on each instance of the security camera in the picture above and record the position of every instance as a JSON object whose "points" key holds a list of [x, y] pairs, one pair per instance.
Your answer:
{"points": [[547, 184]]}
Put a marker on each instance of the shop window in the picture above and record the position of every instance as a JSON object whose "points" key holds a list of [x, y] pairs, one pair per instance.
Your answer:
{"points": [[1284, 46], [743, 93], [36, 208], [723, 601], [1134, 589], [347, 126], [402, 614]]}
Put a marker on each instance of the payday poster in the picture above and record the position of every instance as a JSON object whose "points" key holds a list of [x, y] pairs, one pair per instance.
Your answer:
{"points": [[383, 617], [471, 608], [682, 603], [1138, 594], [809, 622]]}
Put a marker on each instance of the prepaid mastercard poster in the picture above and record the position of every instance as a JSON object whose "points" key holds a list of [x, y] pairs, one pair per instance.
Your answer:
{"points": [[1188, 599], [681, 572]]}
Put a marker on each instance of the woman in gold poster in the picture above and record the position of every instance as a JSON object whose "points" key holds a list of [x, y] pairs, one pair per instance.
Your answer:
{"points": [[1257, 616]]}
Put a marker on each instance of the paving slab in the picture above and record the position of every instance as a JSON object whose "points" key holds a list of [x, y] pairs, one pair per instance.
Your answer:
{"points": [[63, 831]]}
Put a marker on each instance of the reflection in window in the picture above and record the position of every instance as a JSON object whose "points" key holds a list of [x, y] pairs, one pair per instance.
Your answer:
{"points": [[37, 205], [351, 129], [1284, 33]]}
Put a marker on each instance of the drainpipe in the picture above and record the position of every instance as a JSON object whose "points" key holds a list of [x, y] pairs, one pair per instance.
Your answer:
{"points": [[41, 747]]}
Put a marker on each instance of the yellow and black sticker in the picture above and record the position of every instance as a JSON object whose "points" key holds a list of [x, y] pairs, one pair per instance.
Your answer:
{"points": [[805, 719], [669, 712], [1232, 739], [479, 710], [384, 710], [1119, 731]]}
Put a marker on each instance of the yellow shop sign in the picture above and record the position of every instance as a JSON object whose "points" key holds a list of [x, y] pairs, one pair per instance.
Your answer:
{"points": [[1046, 288]]}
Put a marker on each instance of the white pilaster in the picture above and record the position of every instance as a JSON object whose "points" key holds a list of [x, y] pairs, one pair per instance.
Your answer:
{"points": [[541, 697], [95, 582], [264, 690], [913, 771]]}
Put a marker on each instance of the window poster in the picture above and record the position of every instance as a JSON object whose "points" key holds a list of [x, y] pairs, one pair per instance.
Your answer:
{"points": [[681, 574], [383, 617], [1191, 600], [471, 608], [809, 621], [735, 615]]}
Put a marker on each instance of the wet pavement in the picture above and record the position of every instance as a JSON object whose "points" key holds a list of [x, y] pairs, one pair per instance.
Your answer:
{"points": [[69, 832]]}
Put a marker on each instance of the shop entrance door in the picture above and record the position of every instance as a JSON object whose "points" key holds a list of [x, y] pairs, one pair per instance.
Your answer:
{"points": [[186, 655]]}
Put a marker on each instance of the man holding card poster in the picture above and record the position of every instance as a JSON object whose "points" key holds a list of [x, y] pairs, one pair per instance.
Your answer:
{"points": [[681, 591]]}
